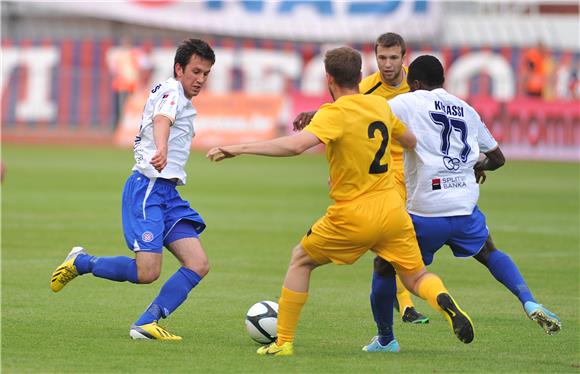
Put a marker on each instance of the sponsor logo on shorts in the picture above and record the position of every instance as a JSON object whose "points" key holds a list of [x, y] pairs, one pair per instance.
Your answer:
{"points": [[147, 236]]}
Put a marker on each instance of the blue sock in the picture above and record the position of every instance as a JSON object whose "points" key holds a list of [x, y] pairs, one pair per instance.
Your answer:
{"points": [[383, 296], [172, 295], [119, 268], [505, 271]]}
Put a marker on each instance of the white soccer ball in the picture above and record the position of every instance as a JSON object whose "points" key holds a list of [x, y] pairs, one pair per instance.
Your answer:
{"points": [[261, 321]]}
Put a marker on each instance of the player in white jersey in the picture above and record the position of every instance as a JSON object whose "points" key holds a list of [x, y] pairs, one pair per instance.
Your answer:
{"points": [[154, 214], [442, 187]]}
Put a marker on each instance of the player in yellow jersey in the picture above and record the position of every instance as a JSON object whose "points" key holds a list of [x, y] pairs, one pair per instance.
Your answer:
{"points": [[368, 213], [388, 82]]}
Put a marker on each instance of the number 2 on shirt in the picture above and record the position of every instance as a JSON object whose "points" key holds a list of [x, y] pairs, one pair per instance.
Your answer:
{"points": [[376, 166]]}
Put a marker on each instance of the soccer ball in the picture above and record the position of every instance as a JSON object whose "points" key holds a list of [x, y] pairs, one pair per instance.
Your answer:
{"points": [[261, 321]]}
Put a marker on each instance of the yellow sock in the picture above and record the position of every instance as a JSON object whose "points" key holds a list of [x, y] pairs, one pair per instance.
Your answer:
{"points": [[403, 296], [429, 287], [289, 308]]}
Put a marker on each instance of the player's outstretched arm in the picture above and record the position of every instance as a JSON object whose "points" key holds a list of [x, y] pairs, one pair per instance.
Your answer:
{"points": [[302, 120], [279, 147]]}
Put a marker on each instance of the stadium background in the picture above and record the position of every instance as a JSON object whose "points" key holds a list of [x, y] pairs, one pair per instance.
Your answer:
{"points": [[57, 61]]}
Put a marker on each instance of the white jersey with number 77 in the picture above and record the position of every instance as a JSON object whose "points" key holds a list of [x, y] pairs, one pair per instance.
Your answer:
{"points": [[439, 174]]}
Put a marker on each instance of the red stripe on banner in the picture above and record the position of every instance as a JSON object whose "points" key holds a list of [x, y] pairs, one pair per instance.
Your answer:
{"points": [[168, 43], [446, 55], [228, 43], [66, 78], [308, 51], [268, 44], [23, 76], [289, 47], [85, 97], [249, 44], [368, 48], [485, 79], [4, 93], [105, 111]]}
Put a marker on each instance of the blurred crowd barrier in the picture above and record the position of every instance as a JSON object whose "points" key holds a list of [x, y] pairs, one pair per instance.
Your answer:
{"points": [[63, 91]]}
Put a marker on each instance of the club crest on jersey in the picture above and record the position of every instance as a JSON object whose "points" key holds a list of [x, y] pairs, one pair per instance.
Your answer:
{"points": [[147, 236], [451, 163]]}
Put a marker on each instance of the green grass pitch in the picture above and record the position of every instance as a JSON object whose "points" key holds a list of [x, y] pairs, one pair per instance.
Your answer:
{"points": [[257, 209]]}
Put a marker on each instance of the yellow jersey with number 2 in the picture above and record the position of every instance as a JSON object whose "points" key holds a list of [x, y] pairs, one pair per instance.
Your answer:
{"points": [[357, 131]]}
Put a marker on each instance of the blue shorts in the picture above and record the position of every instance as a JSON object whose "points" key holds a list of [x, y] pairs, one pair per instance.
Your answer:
{"points": [[152, 209], [465, 235]]}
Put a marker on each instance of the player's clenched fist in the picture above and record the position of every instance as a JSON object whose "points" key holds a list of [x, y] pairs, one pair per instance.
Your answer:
{"points": [[159, 160]]}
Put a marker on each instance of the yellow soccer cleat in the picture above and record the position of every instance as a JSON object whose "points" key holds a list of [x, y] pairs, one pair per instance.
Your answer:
{"points": [[459, 321], [273, 349], [151, 331], [66, 271]]}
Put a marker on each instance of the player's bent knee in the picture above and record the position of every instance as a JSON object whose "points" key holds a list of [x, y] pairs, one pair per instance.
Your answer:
{"points": [[486, 250], [148, 276], [383, 268], [201, 268]]}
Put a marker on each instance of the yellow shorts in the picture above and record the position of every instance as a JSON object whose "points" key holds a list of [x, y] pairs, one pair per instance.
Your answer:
{"points": [[377, 222]]}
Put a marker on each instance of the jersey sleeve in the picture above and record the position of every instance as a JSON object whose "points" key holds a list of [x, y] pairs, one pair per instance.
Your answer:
{"points": [[402, 107], [166, 104], [399, 127], [326, 124], [485, 140]]}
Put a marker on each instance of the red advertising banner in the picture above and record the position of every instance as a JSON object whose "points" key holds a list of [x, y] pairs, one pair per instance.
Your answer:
{"points": [[221, 119]]}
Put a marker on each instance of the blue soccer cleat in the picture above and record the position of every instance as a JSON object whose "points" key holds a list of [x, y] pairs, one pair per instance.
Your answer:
{"points": [[375, 346], [546, 319]]}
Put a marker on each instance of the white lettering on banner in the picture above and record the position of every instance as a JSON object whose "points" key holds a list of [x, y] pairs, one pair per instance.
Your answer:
{"points": [[38, 61], [313, 78], [266, 72], [472, 64], [162, 63]]}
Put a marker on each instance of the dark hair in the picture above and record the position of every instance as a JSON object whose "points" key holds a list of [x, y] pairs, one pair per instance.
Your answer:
{"points": [[390, 39], [190, 47], [426, 69], [344, 65]]}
